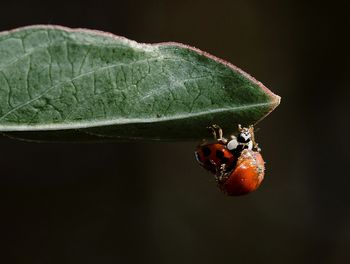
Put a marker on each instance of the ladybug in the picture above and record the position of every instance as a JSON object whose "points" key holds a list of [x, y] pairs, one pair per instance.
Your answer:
{"points": [[237, 164], [215, 157], [246, 176]]}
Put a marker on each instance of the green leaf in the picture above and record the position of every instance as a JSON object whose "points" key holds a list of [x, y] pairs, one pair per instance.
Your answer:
{"points": [[58, 83]]}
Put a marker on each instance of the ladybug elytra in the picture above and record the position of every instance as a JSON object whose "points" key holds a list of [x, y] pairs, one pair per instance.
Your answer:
{"points": [[215, 156], [246, 176]]}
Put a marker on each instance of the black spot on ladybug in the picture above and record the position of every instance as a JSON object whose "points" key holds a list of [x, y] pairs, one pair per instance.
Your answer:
{"points": [[206, 151], [224, 160], [219, 154]]}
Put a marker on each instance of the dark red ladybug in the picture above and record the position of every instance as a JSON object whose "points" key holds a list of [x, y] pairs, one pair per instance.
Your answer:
{"points": [[215, 157]]}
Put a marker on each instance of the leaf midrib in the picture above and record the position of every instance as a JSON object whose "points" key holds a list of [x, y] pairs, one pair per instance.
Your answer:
{"points": [[94, 123]]}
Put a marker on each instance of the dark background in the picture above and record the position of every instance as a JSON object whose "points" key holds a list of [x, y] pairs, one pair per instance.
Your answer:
{"points": [[150, 202]]}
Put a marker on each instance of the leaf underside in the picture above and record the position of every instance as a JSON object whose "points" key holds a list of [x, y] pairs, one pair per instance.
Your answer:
{"points": [[58, 84]]}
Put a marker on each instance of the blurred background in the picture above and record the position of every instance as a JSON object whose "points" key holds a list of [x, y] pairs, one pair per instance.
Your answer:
{"points": [[150, 202]]}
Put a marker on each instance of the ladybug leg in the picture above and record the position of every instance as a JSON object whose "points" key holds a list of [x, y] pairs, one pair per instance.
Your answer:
{"points": [[213, 131], [221, 174], [217, 133], [221, 138], [255, 145]]}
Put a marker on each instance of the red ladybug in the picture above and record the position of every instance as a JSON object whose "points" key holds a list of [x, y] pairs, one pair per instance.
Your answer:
{"points": [[215, 157], [246, 176]]}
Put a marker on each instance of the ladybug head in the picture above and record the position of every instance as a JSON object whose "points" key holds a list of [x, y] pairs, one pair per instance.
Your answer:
{"points": [[244, 135]]}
